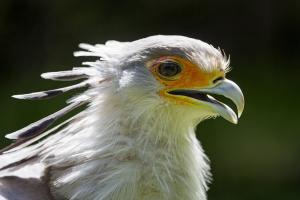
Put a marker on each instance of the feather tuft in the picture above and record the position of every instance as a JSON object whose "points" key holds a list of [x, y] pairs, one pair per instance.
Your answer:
{"points": [[86, 53], [49, 93], [72, 75], [40, 126]]}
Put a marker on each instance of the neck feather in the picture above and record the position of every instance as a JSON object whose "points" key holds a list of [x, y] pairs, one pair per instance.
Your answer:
{"points": [[120, 149]]}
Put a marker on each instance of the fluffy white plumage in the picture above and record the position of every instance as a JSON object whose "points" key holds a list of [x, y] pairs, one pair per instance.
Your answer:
{"points": [[129, 143]]}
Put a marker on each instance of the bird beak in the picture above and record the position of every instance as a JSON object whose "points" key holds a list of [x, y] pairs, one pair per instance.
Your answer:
{"points": [[226, 88]]}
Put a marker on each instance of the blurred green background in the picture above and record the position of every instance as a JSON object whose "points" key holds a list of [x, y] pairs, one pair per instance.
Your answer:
{"points": [[257, 159]]}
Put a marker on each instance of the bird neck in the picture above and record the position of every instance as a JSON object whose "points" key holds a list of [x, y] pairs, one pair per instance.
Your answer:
{"points": [[147, 148]]}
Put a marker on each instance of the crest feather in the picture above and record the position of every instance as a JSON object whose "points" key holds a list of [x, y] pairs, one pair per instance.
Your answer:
{"points": [[37, 127], [50, 93], [71, 75]]}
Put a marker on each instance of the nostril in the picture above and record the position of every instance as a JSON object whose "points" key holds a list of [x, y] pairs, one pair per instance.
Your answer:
{"points": [[218, 79]]}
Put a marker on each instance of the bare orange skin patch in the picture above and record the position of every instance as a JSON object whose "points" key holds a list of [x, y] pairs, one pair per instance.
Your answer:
{"points": [[190, 77]]}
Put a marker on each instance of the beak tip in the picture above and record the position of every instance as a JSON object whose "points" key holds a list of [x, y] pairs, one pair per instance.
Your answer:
{"points": [[230, 116], [235, 121], [239, 114], [240, 111]]}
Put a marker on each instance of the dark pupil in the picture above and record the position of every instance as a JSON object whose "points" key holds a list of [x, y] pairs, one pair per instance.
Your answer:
{"points": [[169, 69]]}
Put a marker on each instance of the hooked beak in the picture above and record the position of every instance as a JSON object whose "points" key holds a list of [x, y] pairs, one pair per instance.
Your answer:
{"points": [[226, 88]]}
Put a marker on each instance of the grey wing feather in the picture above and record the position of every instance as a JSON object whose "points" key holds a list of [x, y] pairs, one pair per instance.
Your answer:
{"points": [[15, 188], [35, 187]]}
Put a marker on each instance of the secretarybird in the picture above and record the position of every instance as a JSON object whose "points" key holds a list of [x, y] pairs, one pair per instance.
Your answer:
{"points": [[135, 139]]}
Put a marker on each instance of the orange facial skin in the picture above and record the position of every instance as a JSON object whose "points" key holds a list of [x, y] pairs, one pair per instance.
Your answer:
{"points": [[191, 77]]}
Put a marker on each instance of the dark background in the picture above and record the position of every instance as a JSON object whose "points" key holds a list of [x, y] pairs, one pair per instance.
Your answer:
{"points": [[256, 159]]}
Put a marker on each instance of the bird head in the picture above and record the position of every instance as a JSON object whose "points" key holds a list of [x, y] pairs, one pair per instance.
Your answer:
{"points": [[179, 73], [165, 77]]}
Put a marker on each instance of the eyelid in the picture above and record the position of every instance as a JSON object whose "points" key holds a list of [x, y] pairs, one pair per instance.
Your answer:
{"points": [[166, 60], [218, 79]]}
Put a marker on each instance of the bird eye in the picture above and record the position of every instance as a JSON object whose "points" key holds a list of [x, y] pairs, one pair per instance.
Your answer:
{"points": [[169, 69]]}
